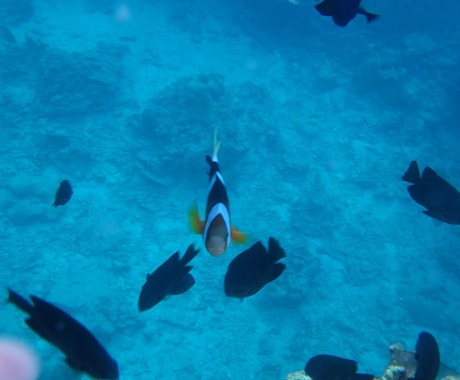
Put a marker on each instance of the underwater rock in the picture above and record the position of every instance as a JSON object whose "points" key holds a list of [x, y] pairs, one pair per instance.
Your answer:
{"points": [[76, 84], [177, 121]]}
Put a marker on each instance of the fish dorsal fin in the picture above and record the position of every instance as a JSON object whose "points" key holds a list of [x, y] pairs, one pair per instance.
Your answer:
{"points": [[412, 174], [275, 250], [435, 181], [327, 7], [189, 254], [174, 258], [184, 284]]}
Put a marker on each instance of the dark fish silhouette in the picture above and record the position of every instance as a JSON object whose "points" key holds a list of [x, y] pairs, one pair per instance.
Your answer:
{"points": [[63, 194], [343, 11], [329, 367], [82, 350], [171, 277], [438, 196], [427, 356], [253, 268]]}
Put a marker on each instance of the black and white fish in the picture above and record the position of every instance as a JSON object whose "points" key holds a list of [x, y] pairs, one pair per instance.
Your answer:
{"points": [[343, 11], [170, 278], [63, 194], [330, 367], [439, 197], [83, 351], [254, 268], [216, 229]]}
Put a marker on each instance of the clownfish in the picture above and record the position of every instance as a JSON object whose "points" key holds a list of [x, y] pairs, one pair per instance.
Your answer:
{"points": [[216, 229]]}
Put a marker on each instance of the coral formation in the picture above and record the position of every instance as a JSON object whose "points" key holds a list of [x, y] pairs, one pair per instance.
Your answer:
{"points": [[75, 84]]}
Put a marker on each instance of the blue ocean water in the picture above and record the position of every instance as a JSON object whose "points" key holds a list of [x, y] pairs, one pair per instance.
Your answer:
{"points": [[317, 123]]}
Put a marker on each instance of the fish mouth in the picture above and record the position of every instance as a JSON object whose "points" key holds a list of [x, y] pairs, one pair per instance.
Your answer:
{"points": [[216, 245]]}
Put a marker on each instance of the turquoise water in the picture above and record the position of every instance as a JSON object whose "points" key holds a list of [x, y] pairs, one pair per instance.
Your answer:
{"points": [[318, 123]]}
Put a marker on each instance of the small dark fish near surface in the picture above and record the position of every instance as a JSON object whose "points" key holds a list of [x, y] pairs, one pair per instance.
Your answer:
{"points": [[63, 194], [330, 367], [438, 196], [343, 11], [171, 277], [83, 351], [253, 268]]}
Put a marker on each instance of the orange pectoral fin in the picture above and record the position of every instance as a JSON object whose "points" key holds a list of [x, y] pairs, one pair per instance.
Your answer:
{"points": [[196, 224], [239, 237]]}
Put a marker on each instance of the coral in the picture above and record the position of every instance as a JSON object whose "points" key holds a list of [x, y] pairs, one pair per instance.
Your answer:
{"points": [[298, 375], [75, 84], [178, 120]]}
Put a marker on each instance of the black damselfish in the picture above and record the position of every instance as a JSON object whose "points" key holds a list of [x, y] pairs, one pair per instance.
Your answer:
{"points": [[63, 194], [343, 11], [439, 197], [330, 367], [253, 268], [171, 277], [427, 356], [83, 351]]}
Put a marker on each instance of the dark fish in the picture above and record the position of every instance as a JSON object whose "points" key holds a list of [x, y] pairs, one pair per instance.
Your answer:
{"points": [[329, 367], [171, 277], [427, 356], [216, 229], [438, 196], [63, 194], [343, 11], [82, 350], [423, 363], [253, 268]]}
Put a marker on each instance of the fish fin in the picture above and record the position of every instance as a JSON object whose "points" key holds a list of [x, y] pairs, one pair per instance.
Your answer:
{"points": [[216, 146], [184, 284], [238, 237], [369, 16], [275, 250], [276, 271], [189, 254], [326, 7], [196, 224], [412, 174], [20, 301]]}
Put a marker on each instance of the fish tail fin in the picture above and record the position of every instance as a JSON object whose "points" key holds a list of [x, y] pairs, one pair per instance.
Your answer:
{"points": [[275, 250], [189, 254], [412, 174], [216, 146], [369, 16], [196, 224], [20, 301], [238, 237]]}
